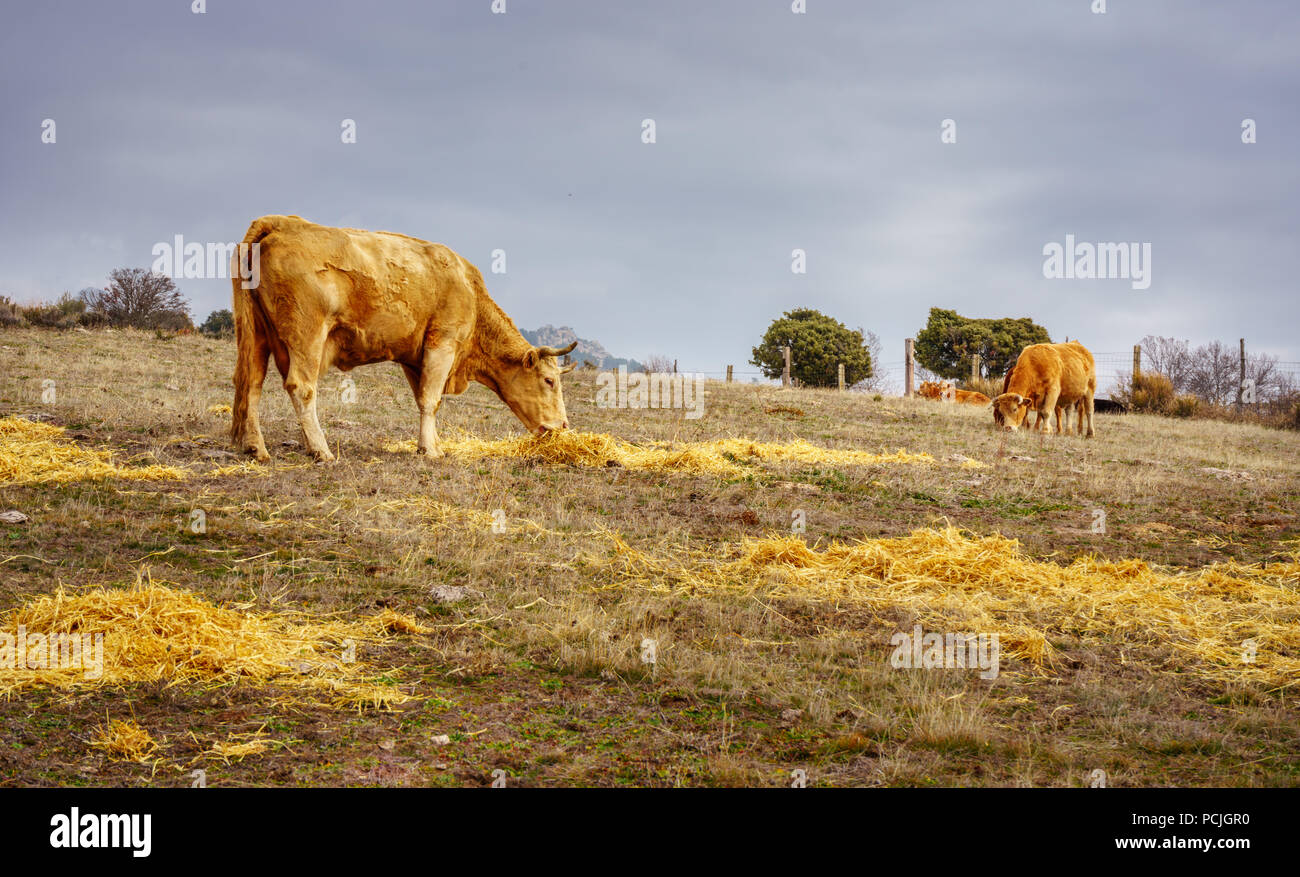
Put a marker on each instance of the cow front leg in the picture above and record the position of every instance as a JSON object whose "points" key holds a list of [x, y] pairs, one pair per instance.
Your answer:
{"points": [[433, 378], [1048, 410]]}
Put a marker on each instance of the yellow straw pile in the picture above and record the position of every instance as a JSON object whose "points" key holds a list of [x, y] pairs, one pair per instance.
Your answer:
{"points": [[952, 582], [37, 453], [155, 633], [124, 740], [723, 457]]}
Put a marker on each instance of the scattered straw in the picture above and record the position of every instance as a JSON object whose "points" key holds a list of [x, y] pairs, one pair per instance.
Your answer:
{"points": [[950, 581], [237, 748], [38, 453], [218, 409], [398, 622], [124, 740], [723, 457], [152, 633]]}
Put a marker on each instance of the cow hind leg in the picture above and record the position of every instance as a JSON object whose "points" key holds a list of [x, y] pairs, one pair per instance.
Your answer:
{"points": [[249, 440], [300, 383]]}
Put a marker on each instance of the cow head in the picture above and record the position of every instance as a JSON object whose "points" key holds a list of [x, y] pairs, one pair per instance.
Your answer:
{"points": [[531, 387], [1010, 410], [929, 390]]}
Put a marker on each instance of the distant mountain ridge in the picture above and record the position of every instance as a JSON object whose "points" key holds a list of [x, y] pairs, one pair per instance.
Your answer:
{"points": [[586, 351]]}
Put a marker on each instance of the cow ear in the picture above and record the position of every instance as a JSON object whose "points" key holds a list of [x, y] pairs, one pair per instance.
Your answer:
{"points": [[530, 358]]}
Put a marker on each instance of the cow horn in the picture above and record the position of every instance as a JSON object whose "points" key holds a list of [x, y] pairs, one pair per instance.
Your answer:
{"points": [[568, 368], [556, 351]]}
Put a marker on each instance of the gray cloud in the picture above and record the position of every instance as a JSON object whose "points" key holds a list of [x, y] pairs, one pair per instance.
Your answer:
{"points": [[775, 131]]}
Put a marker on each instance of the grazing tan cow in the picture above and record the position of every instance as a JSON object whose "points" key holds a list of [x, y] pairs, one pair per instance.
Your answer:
{"points": [[1048, 378], [947, 392], [345, 297], [999, 420]]}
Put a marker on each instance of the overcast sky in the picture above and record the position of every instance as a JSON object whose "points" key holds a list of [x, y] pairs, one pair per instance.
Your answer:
{"points": [[774, 131]]}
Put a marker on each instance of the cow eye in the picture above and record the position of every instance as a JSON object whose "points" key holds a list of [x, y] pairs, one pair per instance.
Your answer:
{"points": [[550, 382]]}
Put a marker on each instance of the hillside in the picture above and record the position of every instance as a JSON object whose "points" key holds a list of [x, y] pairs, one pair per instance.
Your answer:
{"points": [[694, 602]]}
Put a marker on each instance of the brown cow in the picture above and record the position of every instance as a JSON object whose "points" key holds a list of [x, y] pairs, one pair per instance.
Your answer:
{"points": [[1048, 378], [948, 393], [346, 297], [999, 420]]}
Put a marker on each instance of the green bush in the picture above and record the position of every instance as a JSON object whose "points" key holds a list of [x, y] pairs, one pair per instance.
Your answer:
{"points": [[219, 324], [948, 341], [819, 344]]}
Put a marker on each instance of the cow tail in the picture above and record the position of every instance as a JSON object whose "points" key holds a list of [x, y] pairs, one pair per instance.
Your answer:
{"points": [[250, 333]]}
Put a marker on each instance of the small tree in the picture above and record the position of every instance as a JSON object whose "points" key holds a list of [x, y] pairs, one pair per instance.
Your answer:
{"points": [[818, 345], [657, 363], [219, 324], [139, 298], [948, 341]]}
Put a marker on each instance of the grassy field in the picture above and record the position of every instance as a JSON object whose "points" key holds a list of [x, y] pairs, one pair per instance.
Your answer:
{"points": [[533, 662]]}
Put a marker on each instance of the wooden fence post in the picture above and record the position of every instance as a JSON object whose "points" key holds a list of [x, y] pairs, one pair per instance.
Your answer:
{"points": [[785, 373], [1241, 384], [1137, 365], [728, 374], [974, 368], [841, 377], [908, 348]]}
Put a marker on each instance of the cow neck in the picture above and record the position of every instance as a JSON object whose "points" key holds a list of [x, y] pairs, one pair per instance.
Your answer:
{"points": [[498, 344]]}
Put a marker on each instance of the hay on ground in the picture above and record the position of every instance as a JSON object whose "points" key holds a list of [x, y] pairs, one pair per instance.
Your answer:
{"points": [[1203, 621], [725, 457], [154, 633], [124, 740], [38, 453], [238, 747]]}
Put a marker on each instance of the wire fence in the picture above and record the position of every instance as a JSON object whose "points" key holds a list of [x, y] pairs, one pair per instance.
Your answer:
{"points": [[1114, 370]]}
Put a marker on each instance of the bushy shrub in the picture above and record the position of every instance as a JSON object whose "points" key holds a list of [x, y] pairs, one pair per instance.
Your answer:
{"points": [[64, 313], [990, 387], [1185, 405], [1149, 393], [10, 313]]}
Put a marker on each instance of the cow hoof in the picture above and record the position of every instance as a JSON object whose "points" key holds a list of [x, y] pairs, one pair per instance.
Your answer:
{"points": [[431, 453], [324, 458], [258, 454]]}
